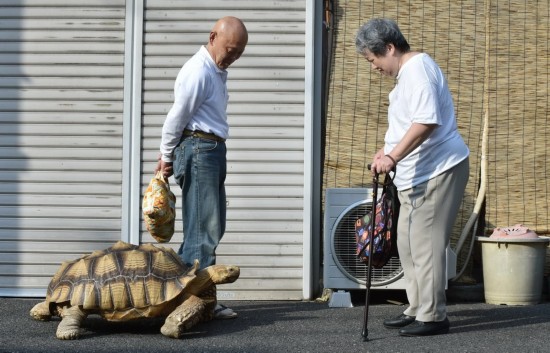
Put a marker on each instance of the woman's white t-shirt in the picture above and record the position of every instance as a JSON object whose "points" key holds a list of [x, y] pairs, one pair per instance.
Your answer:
{"points": [[422, 95]]}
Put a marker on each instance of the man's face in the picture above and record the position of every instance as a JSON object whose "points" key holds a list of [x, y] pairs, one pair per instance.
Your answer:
{"points": [[227, 48]]}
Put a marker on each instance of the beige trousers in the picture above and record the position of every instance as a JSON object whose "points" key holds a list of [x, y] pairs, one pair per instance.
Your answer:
{"points": [[426, 218]]}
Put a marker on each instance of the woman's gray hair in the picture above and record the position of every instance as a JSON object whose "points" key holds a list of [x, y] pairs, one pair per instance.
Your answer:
{"points": [[377, 33]]}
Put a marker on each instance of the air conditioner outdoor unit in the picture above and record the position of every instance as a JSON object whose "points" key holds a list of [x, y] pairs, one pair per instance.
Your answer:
{"points": [[342, 270]]}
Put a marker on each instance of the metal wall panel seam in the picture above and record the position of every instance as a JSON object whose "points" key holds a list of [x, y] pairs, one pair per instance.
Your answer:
{"points": [[312, 109], [131, 174]]}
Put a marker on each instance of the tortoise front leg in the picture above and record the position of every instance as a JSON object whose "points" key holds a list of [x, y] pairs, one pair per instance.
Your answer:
{"points": [[185, 316], [41, 311], [69, 327]]}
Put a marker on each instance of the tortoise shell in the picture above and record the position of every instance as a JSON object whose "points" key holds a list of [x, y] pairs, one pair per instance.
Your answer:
{"points": [[116, 281]]}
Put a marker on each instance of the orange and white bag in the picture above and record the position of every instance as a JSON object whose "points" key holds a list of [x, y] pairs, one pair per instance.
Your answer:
{"points": [[159, 209]]}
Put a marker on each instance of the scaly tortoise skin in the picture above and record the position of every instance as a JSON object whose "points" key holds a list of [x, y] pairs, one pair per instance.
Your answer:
{"points": [[126, 282]]}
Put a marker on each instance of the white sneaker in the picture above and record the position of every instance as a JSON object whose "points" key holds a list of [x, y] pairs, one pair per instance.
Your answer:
{"points": [[223, 312]]}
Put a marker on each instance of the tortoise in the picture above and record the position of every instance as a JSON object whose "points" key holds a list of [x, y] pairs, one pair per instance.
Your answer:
{"points": [[126, 282]]}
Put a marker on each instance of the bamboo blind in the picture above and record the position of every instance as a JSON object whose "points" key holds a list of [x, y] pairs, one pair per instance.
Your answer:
{"points": [[495, 56]]}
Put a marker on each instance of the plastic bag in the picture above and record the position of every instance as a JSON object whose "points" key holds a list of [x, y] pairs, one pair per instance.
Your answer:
{"points": [[518, 231], [159, 209]]}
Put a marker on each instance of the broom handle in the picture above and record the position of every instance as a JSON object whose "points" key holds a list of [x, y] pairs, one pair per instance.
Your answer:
{"points": [[365, 332]]}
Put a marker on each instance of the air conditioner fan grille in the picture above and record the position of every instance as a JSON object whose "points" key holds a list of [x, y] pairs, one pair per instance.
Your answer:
{"points": [[344, 250]]}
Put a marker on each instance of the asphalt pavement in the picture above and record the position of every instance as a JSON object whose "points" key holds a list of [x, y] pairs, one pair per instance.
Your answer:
{"points": [[292, 326]]}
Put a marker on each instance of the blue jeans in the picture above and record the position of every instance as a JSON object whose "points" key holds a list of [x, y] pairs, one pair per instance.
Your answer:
{"points": [[200, 168]]}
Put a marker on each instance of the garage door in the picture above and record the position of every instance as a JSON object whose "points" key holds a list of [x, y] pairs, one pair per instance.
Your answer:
{"points": [[61, 95], [266, 146]]}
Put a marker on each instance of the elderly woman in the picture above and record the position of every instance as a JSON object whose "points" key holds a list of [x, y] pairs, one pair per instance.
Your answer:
{"points": [[432, 169]]}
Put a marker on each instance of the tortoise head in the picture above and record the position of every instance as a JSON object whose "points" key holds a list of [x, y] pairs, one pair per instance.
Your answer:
{"points": [[220, 274], [212, 275]]}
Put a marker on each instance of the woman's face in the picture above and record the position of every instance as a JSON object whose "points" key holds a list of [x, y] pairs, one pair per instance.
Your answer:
{"points": [[387, 64]]}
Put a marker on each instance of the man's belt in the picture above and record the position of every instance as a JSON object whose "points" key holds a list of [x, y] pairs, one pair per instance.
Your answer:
{"points": [[203, 135]]}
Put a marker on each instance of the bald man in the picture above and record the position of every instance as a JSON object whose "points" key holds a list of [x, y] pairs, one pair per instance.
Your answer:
{"points": [[193, 143]]}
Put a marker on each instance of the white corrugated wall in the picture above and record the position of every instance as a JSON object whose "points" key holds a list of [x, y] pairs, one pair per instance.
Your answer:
{"points": [[265, 182], [84, 90], [61, 84]]}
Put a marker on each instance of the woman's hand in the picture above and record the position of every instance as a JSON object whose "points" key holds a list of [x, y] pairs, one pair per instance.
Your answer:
{"points": [[381, 163]]}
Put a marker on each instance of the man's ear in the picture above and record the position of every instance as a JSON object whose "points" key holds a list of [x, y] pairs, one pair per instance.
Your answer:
{"points": [[213, 36]]}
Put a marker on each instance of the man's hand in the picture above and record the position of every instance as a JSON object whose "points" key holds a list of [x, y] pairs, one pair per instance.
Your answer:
{"points": [[165, 167]]}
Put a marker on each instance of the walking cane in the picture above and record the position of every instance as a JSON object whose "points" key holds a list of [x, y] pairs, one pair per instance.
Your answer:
{"points": [[365, 332]]}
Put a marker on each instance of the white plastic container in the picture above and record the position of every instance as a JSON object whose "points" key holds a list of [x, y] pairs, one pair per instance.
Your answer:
{"points": [[513, 270]]}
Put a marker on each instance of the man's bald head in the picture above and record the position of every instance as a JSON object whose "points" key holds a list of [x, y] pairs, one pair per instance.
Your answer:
{"points": [[233, 25], [227, 41]]}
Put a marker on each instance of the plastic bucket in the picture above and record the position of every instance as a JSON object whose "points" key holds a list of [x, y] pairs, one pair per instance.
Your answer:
{"points": [[513, 270]]}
